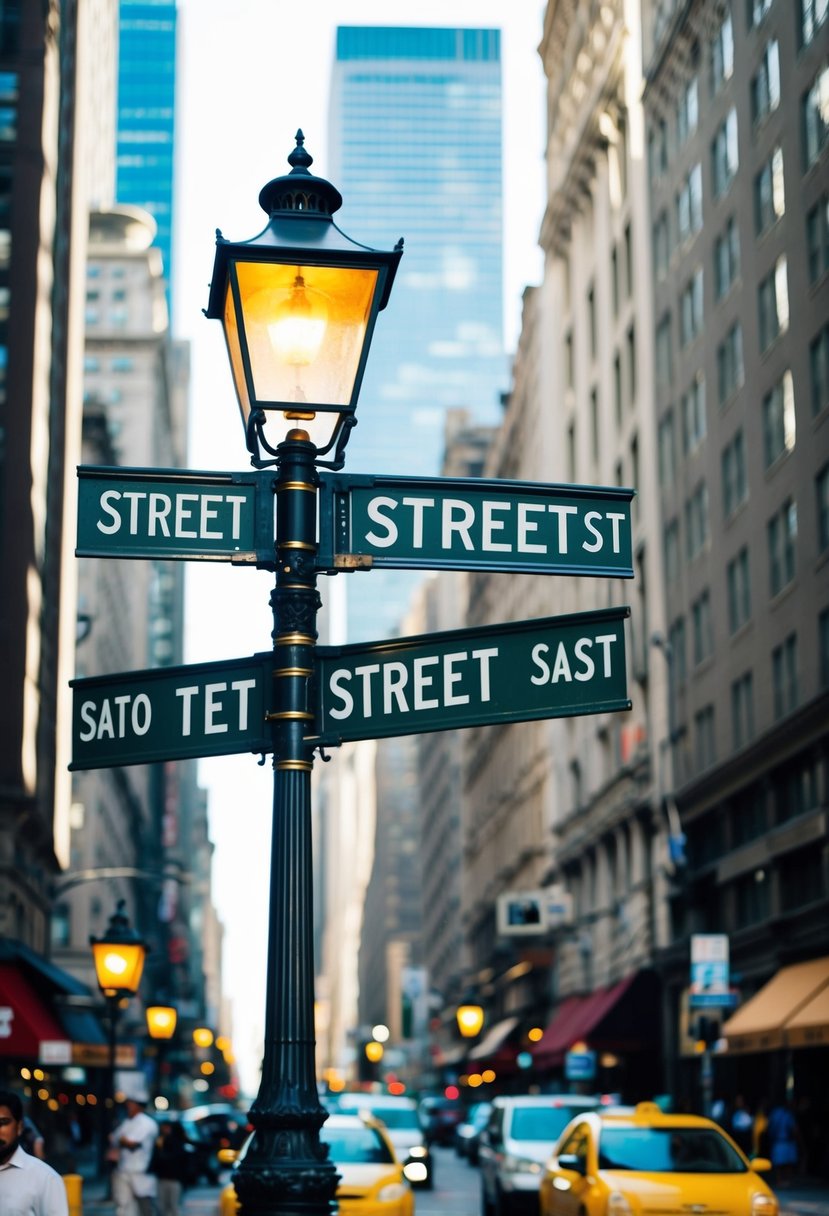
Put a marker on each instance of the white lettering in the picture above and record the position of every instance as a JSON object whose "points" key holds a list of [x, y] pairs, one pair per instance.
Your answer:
{"points": [[88, 717], [483, 657], [418, 506], [212, 706], [184, 512], [243, 688], [458, 516], [591, 527], [142, 714], [105, 722], [376, 516], [423, 681], [207, 513], [236, 501], [108, 497], [186, 695], [562, 513], [589, 666], [367, 672], [134, 497], [451, 677], [606, 640], [395, 679], [159, 508], [561, 667], [615, 518], [491, 524], [527, 525], [538, 650], [343, 693], [122, 703]]}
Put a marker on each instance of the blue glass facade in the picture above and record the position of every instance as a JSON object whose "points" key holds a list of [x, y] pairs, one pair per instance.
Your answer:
{"points": [[415, 149], [146, 114]]}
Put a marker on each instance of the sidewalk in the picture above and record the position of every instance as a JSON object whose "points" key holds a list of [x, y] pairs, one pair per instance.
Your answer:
{"points": [[809, 1197]]}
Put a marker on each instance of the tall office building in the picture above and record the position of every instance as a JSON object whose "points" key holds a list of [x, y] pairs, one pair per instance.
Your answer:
{"points": [[146, 115], [415, 148]]}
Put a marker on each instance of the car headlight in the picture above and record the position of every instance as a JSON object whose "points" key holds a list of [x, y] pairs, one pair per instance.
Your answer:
{"points": [[415, 1171], [418, 1150], [617, 1205], [520, 1165], [391, 1191], [764, 1205]]}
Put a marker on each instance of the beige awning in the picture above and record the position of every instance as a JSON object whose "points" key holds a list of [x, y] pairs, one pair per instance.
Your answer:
{"points": [[761, 1024], [810, 1025], [493, 1039]]}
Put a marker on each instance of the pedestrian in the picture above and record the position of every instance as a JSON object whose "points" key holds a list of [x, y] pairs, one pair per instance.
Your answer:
{"points": [[741, 1124], [784, 1142], [28, 1186], [760, 1133], [134, 1188], [171, 1166]]}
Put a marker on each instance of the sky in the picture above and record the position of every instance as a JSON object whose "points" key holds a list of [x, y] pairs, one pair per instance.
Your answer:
{"points": [[250, 74]]}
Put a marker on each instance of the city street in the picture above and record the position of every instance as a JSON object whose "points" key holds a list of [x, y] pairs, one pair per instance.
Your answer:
{"points": [[456, 1193]]}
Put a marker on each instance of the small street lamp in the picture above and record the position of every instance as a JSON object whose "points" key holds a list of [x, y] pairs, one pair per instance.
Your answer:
{"points": [[119, 963], [161, 1026], [298, 304], [470, 1019]]}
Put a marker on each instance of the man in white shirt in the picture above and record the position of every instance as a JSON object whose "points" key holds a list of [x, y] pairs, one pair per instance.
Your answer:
{"points": [[133, 1186], [28, 1186]]}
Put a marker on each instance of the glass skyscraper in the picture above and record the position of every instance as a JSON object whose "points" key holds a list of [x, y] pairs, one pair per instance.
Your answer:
{"points": [[415, 149], [146, 115]]}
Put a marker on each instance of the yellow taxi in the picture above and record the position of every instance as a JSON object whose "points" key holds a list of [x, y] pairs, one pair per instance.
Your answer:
{"points": [[645, 1162], [372, 1180]]}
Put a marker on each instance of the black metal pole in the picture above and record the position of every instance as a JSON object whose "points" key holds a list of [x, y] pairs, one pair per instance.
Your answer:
{"points": [[286, 1171], [108, 1096]]}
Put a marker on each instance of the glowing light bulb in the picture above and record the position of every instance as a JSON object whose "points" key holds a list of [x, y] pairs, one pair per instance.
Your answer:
{"points": [[299, 329]]}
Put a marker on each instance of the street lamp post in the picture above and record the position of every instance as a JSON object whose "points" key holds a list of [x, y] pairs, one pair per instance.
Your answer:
{"points": [[119, 962], [161, 1026], [298, 304]]}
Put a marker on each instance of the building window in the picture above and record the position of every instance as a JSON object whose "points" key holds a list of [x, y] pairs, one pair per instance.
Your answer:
{"points": [[801, 879], [658, 150], [689, 205], [816, 119], [661, 246], [757, 10], [702, 626], [594, 424], [779, 420], [696, 520], [670, 541], [694, 425], [705, 751], [751, 899], [739, 591], [725, 155], [122, 363], [687, 111], [569, 369], [628, 261], [630, 342], [812, 16], [679, 658], [765, 84], [817, 238], [742, 710], [690, 309], [822, 489], [591, 319], [726, 259], [667, 450], [748, 815], [823, 647], [734, 478], [664, 363], [617, 387], [819, 370], [722, 54], [782, 540], [784, 677], [730, 363], [795, 788], [769, 193], [773, 304], [571, 452], [614, 280]]}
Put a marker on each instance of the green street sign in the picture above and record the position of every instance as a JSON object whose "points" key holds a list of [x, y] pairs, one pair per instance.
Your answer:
{"points": [[548, 668], [173, 513], [470, 524], [171, 713]]}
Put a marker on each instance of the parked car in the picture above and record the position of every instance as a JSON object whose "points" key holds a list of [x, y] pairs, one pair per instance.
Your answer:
{"points": [[468, 1133], [402, 1123], [516, 1143], [440, 1116], [222, 1124], [650, 1161], [372, 1180]]}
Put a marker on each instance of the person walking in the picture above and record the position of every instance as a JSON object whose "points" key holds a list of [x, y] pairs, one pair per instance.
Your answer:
{"points": [[171, 1167], [741, 1124], [784, 1142], [28, 1186], [134, 1188]]}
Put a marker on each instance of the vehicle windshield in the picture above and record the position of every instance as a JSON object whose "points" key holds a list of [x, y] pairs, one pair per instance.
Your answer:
{"points": [[541, 1122], [396, 1119], [356, 1145], [675, 1150]]}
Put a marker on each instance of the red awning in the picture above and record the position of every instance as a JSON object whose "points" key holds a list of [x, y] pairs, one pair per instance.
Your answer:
{"points": [[25, 1021], [576, 1018]]}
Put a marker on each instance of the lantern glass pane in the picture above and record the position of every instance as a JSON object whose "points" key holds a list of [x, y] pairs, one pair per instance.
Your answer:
{"points": [[305, 328], [118, 966]]}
